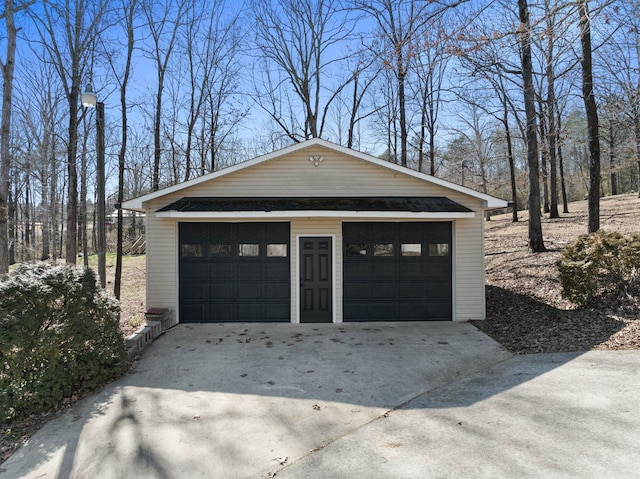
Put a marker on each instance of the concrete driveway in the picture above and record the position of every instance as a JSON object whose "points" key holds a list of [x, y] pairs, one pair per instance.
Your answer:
{"points": [[402, 400]]}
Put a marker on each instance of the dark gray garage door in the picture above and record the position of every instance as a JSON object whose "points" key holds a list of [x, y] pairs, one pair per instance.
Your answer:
{"points": [[397, 271], [234, 272]]}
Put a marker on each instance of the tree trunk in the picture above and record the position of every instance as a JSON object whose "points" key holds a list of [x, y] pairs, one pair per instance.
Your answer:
{"points": [[27, 215], [512, 164], [53, 202], [551, 119], [563, 185], [71, 244], [82, 211], [636, 124], [543, 157], [591, 110], [155, 186], [5, 133], [536, 243], [612, 159], [403, 115], [12, 212], [123, 147]]}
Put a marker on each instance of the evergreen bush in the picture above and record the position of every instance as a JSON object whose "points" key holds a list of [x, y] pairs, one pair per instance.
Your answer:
{"points": [[59, 334], [599, 263]]}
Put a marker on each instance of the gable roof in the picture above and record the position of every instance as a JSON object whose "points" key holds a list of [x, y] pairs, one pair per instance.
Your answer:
{"points": [[138, 203], [357, 203]]}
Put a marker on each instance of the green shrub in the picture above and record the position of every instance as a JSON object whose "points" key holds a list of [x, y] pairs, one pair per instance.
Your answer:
{"points": [[59, 334], [599, 263]]}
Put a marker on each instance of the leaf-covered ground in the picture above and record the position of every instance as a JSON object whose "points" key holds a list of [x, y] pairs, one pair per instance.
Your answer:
{"points": [[525, 310]]}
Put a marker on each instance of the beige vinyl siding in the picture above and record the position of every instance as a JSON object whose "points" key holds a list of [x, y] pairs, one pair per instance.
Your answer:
{"points": [[162, 259], [294, 175], [469, 269]]}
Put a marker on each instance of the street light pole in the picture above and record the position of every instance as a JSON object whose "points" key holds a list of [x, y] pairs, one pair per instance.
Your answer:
{"points": [[90, 100], [100, 208]]}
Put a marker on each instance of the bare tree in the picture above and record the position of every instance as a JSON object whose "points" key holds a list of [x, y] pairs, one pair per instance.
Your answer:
{"points": [[128, 10], [37, 115], [67, 33], [492, 60], [219, 108], [400, 24], [476, 137], [297, 39], [591, 110], [8, 68], [431, 63], [620, 60], [536, 243], [163, 21], [363, 76], [550, 17]]}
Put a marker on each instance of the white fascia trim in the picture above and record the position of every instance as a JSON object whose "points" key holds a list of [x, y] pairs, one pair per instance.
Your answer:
{"points": [[311, 214]]}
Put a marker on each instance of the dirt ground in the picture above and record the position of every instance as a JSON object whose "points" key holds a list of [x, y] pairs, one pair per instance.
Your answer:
{"points": [[525, 310], [132, 290]]}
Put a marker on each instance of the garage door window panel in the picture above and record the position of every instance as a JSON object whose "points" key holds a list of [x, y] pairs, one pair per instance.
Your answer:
{"points": [[220, 250], [277, 250], [356, 249], [383, 249], [190, 250], [411, 249], [439, 249], [248, 250]]}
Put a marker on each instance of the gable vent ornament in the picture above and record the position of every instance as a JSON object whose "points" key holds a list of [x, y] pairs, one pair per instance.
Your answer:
{"points": [[316, 160]]}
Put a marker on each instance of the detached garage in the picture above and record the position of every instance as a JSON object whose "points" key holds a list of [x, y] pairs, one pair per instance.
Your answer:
{"points": [[316, 233]]}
